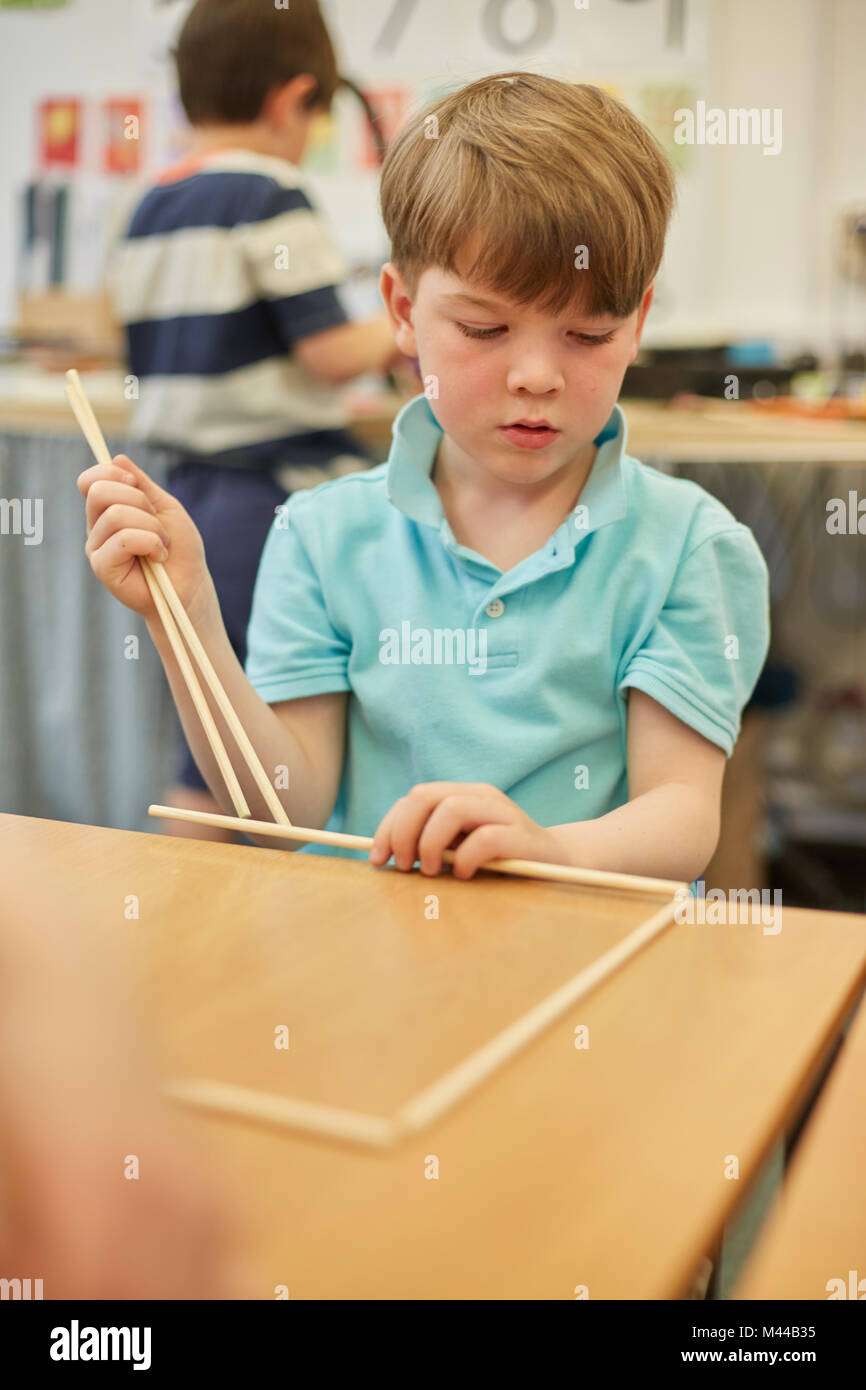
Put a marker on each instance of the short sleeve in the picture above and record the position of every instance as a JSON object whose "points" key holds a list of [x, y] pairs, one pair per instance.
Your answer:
{"points": [[705, 651], [295, 264], [293, 649]]}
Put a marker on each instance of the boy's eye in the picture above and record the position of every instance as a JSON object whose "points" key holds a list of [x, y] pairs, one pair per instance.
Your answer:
{"points": [[590, 339], [479, 332]]}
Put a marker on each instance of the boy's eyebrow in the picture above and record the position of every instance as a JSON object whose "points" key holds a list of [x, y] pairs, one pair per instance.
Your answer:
{"points": [[459, 297]]}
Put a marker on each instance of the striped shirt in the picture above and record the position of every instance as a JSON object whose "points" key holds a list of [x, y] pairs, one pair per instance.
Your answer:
{"points": [[222, 267]]}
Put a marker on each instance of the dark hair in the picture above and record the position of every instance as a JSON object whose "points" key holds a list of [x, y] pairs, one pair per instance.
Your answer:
{"points": [[232, 53]]}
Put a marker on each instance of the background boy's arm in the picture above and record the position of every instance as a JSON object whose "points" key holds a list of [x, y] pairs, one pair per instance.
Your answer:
{"points": [[306, 736], [669, 827], [348, 350], [320, 336]]}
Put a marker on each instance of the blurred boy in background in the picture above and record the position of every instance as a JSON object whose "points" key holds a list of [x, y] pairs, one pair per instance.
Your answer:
{"points": [[226, 282]]}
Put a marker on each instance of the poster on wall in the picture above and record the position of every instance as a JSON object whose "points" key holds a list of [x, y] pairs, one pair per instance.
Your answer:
{"points": [[122, 135], [59, 132]]}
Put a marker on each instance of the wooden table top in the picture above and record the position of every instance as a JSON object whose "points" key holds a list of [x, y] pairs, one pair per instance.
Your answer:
{"points": [[718, 431], [601, 1167], [817, 1232]]}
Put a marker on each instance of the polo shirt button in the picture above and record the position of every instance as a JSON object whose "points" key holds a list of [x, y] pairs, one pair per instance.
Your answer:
{"points": [[495, 608]]}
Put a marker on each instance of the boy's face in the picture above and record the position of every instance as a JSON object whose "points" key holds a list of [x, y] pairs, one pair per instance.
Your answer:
{"points": [[495, 363]]}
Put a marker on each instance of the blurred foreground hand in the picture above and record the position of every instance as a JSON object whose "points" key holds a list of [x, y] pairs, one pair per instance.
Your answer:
{"points": [[102, 1196]]}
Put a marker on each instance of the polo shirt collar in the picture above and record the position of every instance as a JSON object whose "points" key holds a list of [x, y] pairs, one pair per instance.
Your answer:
{"points": [[416, 438]]}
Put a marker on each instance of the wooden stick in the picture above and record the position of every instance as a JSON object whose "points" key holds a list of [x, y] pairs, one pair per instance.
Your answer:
{"points": [[430, 1104], [218, 748], [250, 756], [349, 1125], [455, 1084], [521, 868], [90, 427], [83, 411]]}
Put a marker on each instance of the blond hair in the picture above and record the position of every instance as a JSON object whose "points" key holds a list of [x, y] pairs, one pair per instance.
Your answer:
{"points": [[539, 168]]}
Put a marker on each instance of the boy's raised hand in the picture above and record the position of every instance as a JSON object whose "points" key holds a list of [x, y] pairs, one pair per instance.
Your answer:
{"points": [[483, 821], [129, 515]]}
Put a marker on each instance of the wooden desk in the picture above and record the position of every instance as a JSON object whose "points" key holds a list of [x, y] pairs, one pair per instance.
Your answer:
{"points": [[717, 431], [818, 1230], [601, 1167]]}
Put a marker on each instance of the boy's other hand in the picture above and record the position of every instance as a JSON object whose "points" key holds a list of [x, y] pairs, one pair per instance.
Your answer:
{"points": [[129, 515], [478, 821]]}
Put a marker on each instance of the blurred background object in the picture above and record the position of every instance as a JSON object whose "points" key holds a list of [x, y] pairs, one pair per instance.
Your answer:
{"points": [[106, 1190]]}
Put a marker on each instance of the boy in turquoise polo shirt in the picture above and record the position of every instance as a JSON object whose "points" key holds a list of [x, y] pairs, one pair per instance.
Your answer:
{"points": [[511, 638]]}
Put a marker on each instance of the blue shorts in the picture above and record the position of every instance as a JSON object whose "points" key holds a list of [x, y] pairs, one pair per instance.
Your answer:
{"points": [[233, 509]]}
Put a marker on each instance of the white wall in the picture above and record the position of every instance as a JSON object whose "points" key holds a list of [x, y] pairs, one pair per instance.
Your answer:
{"points": [[751, 249], [770, 250]]}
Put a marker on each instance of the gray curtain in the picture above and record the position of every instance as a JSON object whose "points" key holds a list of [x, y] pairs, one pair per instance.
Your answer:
{"points": [[87, 734]]}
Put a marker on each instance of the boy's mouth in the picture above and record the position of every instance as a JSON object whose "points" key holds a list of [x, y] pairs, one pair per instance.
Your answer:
{"points": [[529, 436]]}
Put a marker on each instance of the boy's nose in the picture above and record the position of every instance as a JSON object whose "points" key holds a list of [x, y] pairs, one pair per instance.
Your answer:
{"points": [[538, 375]]}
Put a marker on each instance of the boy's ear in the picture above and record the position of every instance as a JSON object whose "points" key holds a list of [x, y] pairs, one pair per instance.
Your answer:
{"points": [[398, 303], [642, 313], [291, 96]]}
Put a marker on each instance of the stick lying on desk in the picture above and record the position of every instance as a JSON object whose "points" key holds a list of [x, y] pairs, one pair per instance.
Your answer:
{"points": [[521, 868], [287, 1112], [435, 1100], [172, 611]]}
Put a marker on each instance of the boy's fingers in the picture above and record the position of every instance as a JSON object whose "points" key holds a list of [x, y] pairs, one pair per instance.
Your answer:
{"points": [[485, 843], [104, 494], [401, 828], [123, 549], [413, 814], [99, 472], [123, 470], [118, 518], [452, 816], [157, 495], [380, 852], [405, 826]]}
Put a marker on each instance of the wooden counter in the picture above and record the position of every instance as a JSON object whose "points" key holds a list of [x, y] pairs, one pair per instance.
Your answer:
{"points": [[707, 430]]}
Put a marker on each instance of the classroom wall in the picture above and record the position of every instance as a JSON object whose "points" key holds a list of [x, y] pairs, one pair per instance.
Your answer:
{"points": [[751, 250], [771, 223]]}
